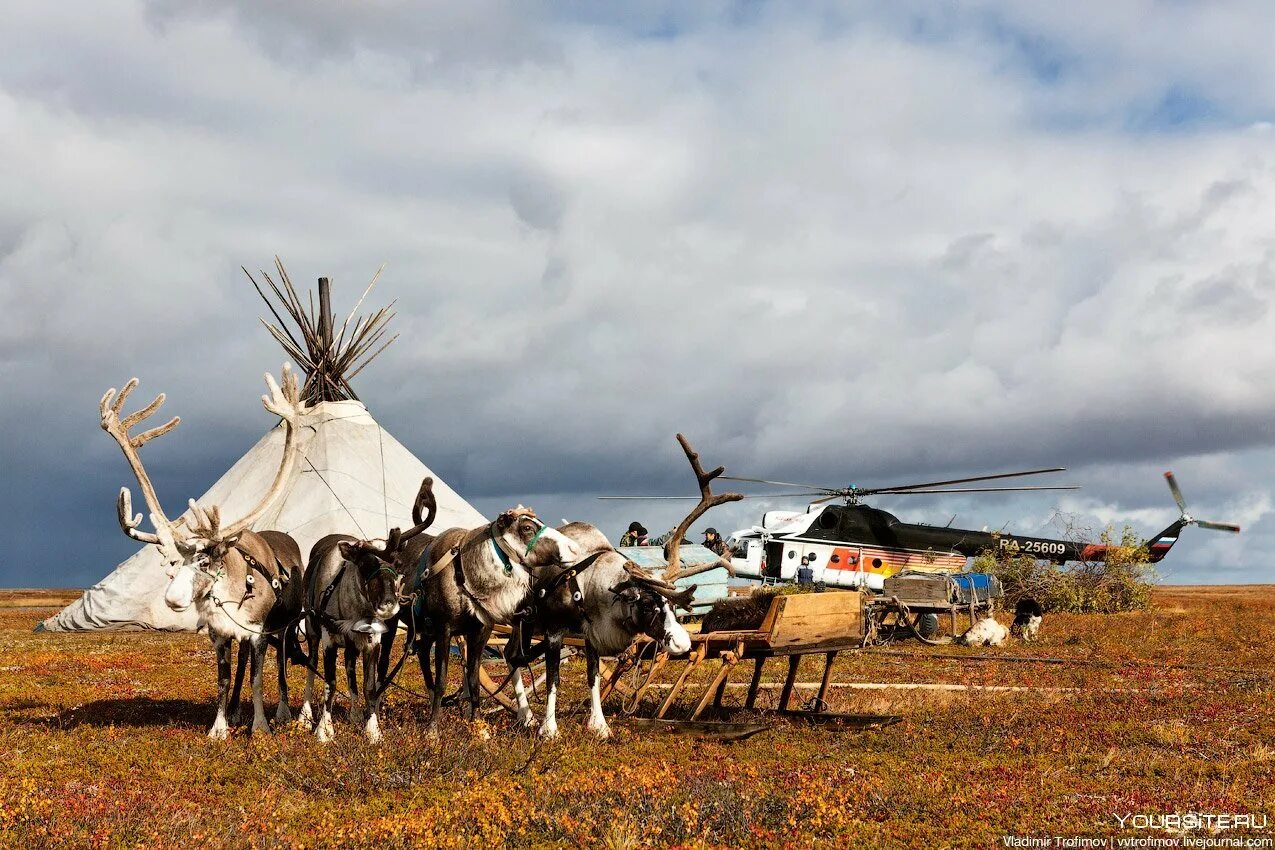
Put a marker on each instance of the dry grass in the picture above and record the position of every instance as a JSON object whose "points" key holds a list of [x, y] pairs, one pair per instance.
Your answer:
{"points": [[102, 745]]}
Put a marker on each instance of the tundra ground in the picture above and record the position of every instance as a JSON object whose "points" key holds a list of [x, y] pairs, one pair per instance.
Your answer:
{"points": [[102, 744]]}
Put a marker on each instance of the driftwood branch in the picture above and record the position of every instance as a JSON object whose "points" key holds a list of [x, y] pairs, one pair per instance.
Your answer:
{"points": [[707, 501]]}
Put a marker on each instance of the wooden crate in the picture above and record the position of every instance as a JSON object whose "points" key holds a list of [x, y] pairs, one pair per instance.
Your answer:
{"points": [[814, 619]]}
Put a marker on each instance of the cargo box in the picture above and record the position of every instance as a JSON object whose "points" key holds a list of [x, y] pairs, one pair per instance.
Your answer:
{"points": [[942, 588]]}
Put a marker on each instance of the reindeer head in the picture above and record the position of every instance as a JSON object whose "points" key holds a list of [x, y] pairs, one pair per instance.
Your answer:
{"points": [[379, 580], [200, 552], [531, 542], [649, 603], [382, 565]]}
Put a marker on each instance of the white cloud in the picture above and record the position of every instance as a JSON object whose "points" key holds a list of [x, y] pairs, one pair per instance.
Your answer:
{"points": [[868, 241]]}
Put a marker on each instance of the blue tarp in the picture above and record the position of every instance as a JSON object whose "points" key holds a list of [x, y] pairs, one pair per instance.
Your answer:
{"points": [[709, 586]]}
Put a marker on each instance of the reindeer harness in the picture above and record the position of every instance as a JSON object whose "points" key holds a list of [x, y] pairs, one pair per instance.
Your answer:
{"points": [[455, 556]]}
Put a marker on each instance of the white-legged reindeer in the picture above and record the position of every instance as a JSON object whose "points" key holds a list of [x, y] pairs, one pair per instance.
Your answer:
{"points": [[472, 579], [609, 600], [245, 585], [617, 601], [354, 590]]}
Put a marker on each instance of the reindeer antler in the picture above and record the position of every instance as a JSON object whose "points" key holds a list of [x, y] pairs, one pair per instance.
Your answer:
{"points": [[638, 577], [707, 501], [285, 402], [426, 501], [167, 535]]}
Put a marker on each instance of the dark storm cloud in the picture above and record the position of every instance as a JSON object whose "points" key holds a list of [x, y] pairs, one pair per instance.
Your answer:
{"points": [[865, 242]]}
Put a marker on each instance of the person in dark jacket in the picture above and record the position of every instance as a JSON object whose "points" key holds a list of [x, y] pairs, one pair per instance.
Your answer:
{"points": [[635, 536], [714, 542]]}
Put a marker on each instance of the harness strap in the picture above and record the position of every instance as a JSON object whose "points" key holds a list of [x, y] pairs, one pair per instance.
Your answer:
{"points": [[418, 581], [500, 550], [443, 563], [535, 538], [326, 595], [571, 576], [407, 650], [523, 658], [464, 588]]}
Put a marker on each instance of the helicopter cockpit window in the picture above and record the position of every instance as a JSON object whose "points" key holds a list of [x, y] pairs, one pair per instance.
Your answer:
{"points": [[828, 519]]}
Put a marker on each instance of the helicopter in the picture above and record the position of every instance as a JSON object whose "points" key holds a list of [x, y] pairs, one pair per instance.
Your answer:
{"points": [[855, 545]]}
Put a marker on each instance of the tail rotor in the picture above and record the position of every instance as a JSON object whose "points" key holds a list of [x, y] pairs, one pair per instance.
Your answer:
{"points": [[1187, 519]]}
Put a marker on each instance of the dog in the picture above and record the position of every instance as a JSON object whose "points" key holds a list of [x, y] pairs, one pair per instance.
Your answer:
{"points": [[986, 632], [1027, 619]]}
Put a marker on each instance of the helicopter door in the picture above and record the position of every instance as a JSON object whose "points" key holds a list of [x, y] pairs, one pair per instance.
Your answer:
{"points": [[774, 559]]}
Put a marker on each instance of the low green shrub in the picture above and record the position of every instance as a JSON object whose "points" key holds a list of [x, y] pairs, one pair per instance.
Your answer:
{"points": [[1121, 582]]}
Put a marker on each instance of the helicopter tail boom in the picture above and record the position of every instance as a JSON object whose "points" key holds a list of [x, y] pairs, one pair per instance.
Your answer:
{"points": [[1159, 546]]}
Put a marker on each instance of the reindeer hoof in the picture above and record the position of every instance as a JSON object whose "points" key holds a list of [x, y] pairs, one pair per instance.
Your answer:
{"points": [[306, 719], [431, 732], [548, 730], [260, 725], [283, 714], [602, 730], [373, 730], [526, 718], [324, 730], [219, 731]]}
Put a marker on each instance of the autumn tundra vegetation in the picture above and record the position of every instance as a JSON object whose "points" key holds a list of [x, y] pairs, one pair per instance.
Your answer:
{"points": [[1128, 700], [1165, 709]]}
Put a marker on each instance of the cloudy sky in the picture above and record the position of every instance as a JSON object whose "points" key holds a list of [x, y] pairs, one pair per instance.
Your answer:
{"points": [[868, 242]]}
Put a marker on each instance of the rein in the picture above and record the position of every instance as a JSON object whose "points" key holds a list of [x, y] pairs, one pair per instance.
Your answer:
{"points": [[408, 649], [456, 555], [540, 590], [277, 583]]}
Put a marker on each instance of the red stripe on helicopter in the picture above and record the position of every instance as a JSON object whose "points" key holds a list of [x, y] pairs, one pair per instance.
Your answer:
{"points": [[862, 559]]}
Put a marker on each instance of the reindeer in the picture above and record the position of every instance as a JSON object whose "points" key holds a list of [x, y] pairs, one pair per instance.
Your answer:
{"points": [[472, 579], [353, 594], [617, 602], [244, 585], [611, 602]]}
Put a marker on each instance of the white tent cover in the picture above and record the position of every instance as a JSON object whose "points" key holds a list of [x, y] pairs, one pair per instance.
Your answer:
{"points": [[351, 477]]}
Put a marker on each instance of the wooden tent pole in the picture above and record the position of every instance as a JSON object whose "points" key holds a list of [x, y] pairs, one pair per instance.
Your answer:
{"points": [[325, 312]]}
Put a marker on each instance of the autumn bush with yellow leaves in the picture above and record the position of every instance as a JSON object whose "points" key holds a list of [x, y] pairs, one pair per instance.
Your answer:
{"points": [[102, 745]]}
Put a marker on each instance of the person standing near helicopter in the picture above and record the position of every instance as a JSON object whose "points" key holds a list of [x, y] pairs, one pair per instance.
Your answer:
{"points": [[635, 536], [714, 542]]}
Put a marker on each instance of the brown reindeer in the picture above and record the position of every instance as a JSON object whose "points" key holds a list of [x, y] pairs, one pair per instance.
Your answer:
{"points": [[472, 579], [618, 601], [353, 593], [245, 585]]}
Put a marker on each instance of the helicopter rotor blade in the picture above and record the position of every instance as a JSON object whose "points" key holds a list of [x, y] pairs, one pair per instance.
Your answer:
{"points": [[784, 495], [974, 490], [1218, 526], [777, 483], [642, 498], [962, 480], [1176, 491]]}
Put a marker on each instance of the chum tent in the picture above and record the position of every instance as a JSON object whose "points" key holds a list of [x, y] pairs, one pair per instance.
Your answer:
{"points": [[351, 475]]}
